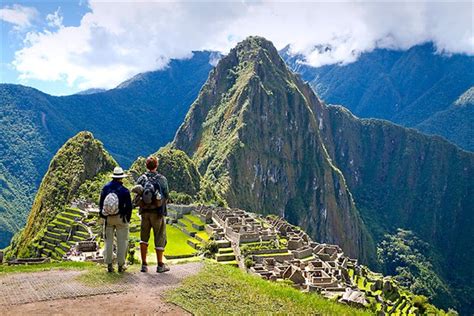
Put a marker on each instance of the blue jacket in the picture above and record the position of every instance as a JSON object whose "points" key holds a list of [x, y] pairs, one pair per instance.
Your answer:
{"points": [[125, 201]]}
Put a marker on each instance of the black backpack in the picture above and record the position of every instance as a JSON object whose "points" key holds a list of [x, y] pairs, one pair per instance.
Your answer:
{"points": [[152, 196]]}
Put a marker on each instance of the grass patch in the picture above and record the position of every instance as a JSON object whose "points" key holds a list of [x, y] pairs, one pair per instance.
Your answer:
{"points": [[176, 246], [221, 289], [67, 265], [97, 275], [203, 235], [193, 218]]}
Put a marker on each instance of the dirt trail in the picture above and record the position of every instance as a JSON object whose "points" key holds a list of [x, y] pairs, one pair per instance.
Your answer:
{"points": [[60, 293]]}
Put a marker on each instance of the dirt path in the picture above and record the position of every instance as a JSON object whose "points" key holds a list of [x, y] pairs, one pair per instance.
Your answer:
{"points": [[60, 293]]}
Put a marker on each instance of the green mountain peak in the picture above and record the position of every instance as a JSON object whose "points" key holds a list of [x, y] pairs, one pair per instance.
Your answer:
{"points": [[81, 158], [254, 132]]}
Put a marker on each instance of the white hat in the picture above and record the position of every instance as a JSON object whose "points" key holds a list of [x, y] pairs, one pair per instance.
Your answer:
{"points": [[118, 173]]}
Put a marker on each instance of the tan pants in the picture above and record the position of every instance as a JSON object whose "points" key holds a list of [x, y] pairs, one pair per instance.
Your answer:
{"points": [[116, 227], [157, 222]]}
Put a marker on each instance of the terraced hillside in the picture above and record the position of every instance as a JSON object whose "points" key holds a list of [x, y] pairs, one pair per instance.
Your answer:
{"points": [[64, 231]]}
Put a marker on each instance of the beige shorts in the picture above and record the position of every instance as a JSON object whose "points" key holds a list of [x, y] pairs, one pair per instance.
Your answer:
{"points": [[157, 222]]}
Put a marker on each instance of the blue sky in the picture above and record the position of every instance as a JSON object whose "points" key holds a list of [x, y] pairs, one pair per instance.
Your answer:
{"points": [[62, 47], [12, 38]]}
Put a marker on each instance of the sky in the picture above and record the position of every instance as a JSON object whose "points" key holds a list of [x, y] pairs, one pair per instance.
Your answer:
{"points": [[62, 47]]}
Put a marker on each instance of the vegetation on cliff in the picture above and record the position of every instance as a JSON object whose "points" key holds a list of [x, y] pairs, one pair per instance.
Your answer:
{"points": [[405, 256], [80, 159]]}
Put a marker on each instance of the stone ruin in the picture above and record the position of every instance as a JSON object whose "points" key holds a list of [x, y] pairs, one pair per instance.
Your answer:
{"points": [[85, 251], [281, 251]]}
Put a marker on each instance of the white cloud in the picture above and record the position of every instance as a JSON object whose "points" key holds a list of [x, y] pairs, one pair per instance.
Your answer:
{"points": [[119, 39], [20, 16], [55, 19]]}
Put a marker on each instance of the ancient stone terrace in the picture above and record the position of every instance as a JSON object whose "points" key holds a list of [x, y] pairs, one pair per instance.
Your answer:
{"points": [[68, 227]]}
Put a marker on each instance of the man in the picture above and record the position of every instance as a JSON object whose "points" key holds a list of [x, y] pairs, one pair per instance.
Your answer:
{"points": [[153, 212], [116, 207]]}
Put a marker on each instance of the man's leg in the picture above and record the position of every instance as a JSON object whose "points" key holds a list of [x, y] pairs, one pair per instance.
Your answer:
{"points": [[109, 246], [159, 228], [143, 251], [145, 228], [122, 243], [159, 256]]}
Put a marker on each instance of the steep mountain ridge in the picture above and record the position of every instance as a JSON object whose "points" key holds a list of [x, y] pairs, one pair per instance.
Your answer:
{"points": [[134, 119], [80, 159], [253, 131], [406, 87]]}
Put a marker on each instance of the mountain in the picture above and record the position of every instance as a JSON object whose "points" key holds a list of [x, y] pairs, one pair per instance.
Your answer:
{"points": [[254, 132], [80, 159], [458, 117], [134, 119], [406, 87], [269, 145]]}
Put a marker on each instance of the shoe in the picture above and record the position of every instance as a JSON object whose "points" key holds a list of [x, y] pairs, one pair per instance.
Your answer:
{"points": [[162, 268], [122, 268], [144, 268], [110, 268]]}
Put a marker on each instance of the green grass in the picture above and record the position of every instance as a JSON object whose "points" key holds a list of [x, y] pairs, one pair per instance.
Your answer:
{"points": [[203, 234], [66, 265], [177, 244], [187, 225], [176, 241], [193, 218], [225, 290]]}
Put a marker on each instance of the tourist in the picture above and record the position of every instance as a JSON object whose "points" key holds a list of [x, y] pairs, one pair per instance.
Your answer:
{"points": [[152, 198], [116, 208]]}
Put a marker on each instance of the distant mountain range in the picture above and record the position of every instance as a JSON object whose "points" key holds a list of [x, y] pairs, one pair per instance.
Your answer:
{"points": [[414, 88], [139, 116]]}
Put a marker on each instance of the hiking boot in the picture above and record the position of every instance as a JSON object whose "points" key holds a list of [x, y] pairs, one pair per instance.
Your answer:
{"points": [[144, 268], [110, 268], [162, 268], [122, 268]]}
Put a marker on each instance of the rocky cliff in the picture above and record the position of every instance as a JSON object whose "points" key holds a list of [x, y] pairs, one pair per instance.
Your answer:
{"points": [[254, 132]]}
